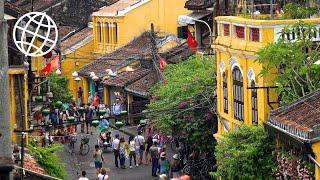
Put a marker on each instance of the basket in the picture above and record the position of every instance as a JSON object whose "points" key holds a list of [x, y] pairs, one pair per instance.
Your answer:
{"points": [[119, 124], [95, 123], [71, 119], [45, 112]]}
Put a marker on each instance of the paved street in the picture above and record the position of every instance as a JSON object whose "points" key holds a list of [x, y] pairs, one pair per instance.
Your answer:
{"points": [[76, 163]]}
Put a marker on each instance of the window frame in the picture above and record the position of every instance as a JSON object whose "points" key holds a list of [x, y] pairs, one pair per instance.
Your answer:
{"points": [[252, 37], [226, 33], [238, 94], [254, 104], [236, 32], [225, 92]]}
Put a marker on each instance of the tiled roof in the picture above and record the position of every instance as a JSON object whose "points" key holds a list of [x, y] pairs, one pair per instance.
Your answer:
{"points": [[113, 9], [76, 40], [300, 119], [125, 77], [31, 164], [13, 10], [142, 86], [199, 4], [177, 54], [38, 5], [136, 48]]}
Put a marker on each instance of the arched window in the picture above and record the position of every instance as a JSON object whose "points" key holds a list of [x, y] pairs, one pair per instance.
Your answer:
{"points": [[225, 92], [99, 32], [238, 97], [254, 103]]}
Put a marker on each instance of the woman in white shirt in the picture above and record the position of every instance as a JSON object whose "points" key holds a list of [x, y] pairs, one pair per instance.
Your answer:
{"points": [[103, 174], [132, 154]]}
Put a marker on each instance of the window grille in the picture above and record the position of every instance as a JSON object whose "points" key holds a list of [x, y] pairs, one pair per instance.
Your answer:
{"points": [[226, 29], [240, 32], [225, 93], [254, 105], [238, 97], [255, 34]]}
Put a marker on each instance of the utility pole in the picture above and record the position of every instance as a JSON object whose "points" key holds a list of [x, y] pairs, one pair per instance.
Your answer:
{"points": [[6, 163]]}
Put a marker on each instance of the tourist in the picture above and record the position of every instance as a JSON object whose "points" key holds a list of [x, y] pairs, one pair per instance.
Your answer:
{"points": [[147, 152], [80, 96], [163, 177], [164, 164], [132, 154], [96, 101], [116, 110], [98, 158], [140, 146], [83, 177], [103, 174], [108, 112], [154, 150], [90, 98], [115, 147], [176, 167], [89, 113], [123, 152]]}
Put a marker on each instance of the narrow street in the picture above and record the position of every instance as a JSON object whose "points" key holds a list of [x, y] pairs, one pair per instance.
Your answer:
{"points": [[76, 163]]}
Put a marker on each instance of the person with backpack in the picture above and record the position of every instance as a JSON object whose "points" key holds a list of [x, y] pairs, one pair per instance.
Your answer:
{"points": [[176, 167], [140, 146], [164, 164], [98, 158], [154, 150]]}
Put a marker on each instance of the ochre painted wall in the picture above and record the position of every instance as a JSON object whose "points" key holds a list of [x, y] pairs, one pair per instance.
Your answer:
{"points": [[73, 62], [316, 151], [163, 14]]}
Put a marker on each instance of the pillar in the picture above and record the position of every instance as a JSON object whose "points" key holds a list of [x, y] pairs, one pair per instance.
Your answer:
{"points": [[110, 36], [85, 90], [107, 95], [129, 100]]}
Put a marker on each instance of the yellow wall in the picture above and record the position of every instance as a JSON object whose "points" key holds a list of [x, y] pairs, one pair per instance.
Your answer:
{"points": [[162, 13], [73, 62], [13, 104], [316, 151]]}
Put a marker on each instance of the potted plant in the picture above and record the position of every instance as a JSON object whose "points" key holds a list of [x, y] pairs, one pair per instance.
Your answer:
{"points": [[58, 104], [38, 98], [101, 112]]}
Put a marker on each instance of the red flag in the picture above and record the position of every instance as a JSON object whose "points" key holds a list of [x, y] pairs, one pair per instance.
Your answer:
{"points": [[46, 70], [192, 43], [163, 63], [55, 63]]}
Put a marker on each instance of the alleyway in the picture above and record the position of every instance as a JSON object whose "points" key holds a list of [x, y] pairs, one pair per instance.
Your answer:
{"points": [[77, 163]]}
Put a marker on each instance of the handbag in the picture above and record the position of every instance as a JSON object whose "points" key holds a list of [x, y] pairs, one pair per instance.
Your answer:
{"points": [[141, 147]]}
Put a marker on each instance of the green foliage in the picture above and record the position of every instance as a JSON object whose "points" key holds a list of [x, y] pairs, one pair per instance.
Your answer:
{"points": [[190, 86], [293, 61], [245, 153], [60, 89], [49, 160], [296, 11]]}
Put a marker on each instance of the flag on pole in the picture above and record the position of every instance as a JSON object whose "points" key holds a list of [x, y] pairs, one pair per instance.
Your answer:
{"points": [[192, 43], [46, 70], [163, 63], [51, 66]]}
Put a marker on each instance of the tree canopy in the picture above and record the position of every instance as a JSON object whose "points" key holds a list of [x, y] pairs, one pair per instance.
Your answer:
{"points": [[294, 61], [183, 103], [245, 153], [60, 89]]}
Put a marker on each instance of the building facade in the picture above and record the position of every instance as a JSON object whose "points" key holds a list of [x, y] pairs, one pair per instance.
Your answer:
{"points": [[243, 96]]}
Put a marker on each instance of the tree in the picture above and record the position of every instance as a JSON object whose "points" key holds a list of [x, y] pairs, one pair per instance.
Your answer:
{"points": [[245, 153], [60, 89], [183, 103], [297, 75]]}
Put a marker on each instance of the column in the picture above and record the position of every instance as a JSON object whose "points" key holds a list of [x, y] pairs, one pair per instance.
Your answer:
{"points": [[129, 100], [106, 95], [110, 36]]}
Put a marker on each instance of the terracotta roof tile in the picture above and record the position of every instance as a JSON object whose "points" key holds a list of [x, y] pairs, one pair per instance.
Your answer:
{"points": [[199, 4], [76, 38], [114, 8], [125, 78], [142, 86], [299, 118], [178, 54], [38, 5], [13, 10]]}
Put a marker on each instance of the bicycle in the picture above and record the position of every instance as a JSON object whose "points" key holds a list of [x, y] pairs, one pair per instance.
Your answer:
{"points": [[199, 169], [84, 146], [71, 144]]}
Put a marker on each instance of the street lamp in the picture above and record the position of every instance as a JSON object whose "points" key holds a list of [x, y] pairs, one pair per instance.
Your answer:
{"points": [[184, 20]]}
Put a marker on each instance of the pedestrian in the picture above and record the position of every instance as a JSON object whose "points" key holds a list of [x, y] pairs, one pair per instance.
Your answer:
{"points": [[176, 167], [116, 110], [98, 158], [140, 146], [163, 177], [80, 96], [103, 174], [163, 149], [90, 98], [115, 147], [83, 177], [132, 154], [96, 101], [147, 152], [123, 152], [108, 112], [154, 150], [185, 177], [88, 111], [164, 164]]}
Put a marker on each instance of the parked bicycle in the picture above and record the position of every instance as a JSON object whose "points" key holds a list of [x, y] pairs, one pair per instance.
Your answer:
{"points": [[84, 146], [199, 169]]}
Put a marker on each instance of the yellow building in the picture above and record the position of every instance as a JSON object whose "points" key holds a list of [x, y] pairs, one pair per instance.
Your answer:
{"points": [[117, 24], [243, 96]]}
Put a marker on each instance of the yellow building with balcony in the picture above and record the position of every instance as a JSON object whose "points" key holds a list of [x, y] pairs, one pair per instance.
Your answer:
{"points": [[117, 24], [243, 96]]}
